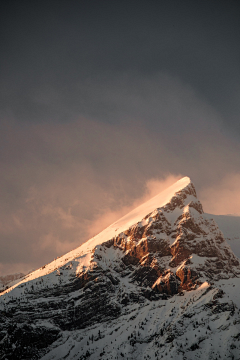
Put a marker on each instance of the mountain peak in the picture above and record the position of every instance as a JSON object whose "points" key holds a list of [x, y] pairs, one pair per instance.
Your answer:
{"points": [[183, 186]]}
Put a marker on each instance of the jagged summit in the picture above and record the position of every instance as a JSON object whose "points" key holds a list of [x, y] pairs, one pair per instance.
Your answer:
{"points": [[75, 306], [167, 196]]}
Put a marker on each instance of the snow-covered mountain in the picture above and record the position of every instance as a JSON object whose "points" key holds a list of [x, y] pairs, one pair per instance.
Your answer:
{"points": [[160, 283]]}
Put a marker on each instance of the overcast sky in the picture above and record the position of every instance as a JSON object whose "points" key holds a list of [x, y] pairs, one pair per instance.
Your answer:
{"points": [[103, 104]]}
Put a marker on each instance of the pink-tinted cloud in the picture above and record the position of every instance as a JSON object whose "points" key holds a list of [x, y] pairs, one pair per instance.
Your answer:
{"points": [[222, 197]]}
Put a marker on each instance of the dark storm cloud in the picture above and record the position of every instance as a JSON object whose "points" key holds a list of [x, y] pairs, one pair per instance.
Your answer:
{"points": [[53, 47], [102, 105]]}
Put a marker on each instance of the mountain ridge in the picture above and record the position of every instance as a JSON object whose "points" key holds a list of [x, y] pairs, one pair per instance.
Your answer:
{"points": [[110, 231]]}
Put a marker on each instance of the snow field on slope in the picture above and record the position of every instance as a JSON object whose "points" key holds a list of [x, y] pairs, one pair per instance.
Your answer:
{"points": [[182, 316]]}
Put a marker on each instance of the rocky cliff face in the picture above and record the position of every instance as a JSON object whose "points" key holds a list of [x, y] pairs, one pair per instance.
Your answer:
{"points": [[176, 248], [164, 287]]}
